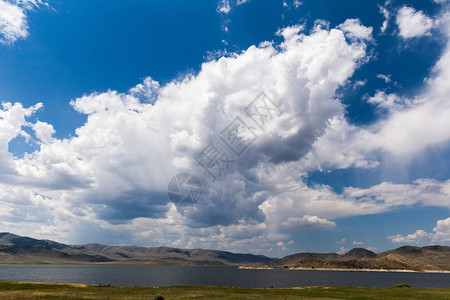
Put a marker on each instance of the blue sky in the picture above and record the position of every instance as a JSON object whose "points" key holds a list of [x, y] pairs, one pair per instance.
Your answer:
{"points": [[132, 92]]}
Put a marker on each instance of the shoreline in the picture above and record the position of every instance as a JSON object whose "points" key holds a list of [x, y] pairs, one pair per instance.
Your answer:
{"points": [[348, 270], [255, 268], [373, 270]]}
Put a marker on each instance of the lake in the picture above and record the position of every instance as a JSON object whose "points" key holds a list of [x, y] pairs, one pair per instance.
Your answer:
{"points": [[127, 275]]}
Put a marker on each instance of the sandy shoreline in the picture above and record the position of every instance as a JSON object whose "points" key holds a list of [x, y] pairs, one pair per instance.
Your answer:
{"points": [[255, 268], [373, 270], [352, 270]]}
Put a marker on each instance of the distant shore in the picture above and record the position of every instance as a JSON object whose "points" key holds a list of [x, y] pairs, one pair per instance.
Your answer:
{"points": [[371, 270], [351, 270], [255, 268]]}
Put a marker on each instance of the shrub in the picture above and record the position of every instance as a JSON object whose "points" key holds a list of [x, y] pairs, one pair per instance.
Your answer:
{"points": [[402, 285]]}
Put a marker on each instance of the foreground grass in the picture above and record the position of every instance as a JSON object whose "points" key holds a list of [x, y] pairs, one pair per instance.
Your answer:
{"points": [[15, 290]]}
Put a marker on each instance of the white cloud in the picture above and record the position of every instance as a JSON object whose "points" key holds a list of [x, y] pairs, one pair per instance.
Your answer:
{"points": [[400, 134], [386, 78], [386, 15], [297, 3], [341, 146], [357, 243], [415, 237], [429, 192], [13, 19], [322, 24], [294, 4], [13, 23], [239, 2], [43, 131], [354, 30], [224, 6], [343, 250], [307, 223], [12, 120], [341, 242], [294, 198], [440, 234], [389, 101], [147, 91], [412, 23], [359, 83]]}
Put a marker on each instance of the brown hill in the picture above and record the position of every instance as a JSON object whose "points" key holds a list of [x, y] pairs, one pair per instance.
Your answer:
{"points": [[193, 256], [18, 249], [7, 239], [295, 258], [434, 255], [358, 253], [41, 254], [436, 258], [389, 262]]}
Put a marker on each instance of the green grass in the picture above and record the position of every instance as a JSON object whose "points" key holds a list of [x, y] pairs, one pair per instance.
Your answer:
{"points": [[15, 290]]}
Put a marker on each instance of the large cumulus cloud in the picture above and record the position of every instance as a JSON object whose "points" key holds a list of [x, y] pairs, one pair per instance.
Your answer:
{"points": [[112, 175]]}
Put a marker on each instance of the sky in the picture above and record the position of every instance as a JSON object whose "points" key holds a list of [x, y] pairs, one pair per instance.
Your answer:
{"points": [[308, 125]]}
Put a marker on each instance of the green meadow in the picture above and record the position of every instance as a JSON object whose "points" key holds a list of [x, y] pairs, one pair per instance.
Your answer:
{"points": [[15, 290]]}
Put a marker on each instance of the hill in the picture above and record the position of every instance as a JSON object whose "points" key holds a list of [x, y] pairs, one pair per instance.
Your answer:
{"points": [[18, 249], [7, 239], [433, 255], [429, 258], [294, 258], [358, 253]]}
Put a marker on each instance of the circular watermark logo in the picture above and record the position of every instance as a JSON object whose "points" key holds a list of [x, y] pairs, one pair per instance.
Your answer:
{"points": [[184, 189]]}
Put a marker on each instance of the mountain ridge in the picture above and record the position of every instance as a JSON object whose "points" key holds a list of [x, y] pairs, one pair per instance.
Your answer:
{"points": [[19, 249]]}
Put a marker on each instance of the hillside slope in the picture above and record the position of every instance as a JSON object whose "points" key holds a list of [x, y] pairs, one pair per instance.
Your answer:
{"points": [[18, 249], [429, 258]]}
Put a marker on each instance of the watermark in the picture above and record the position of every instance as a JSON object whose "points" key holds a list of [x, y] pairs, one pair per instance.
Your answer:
{"points": [[238, 136], [213, 160], [262, 110], [184, 189], [219, 155]]}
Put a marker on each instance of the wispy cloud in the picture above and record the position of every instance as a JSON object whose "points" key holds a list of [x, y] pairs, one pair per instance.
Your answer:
{"points": [[384, 10], [13, 19], [307, 223], [224, 6]]}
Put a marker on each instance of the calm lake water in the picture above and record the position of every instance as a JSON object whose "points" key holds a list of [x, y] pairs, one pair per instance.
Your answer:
{"points": [[212, 276]]}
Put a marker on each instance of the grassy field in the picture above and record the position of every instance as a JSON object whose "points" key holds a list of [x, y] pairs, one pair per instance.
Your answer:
{"points": [[14, 290]]}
